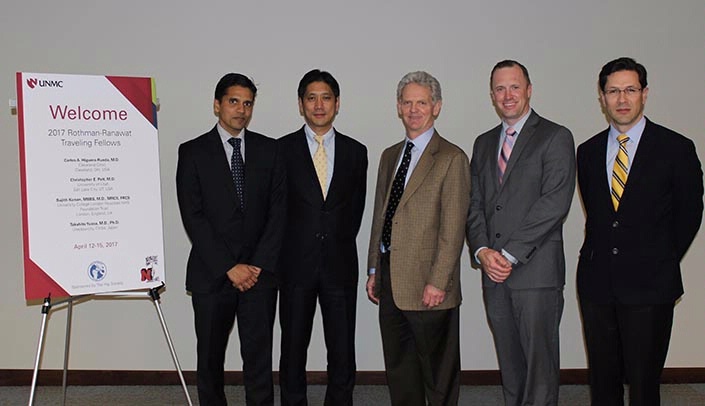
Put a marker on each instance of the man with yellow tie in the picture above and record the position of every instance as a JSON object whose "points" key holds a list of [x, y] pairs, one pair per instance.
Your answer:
{"points": [[326, 184], [642, 188]]}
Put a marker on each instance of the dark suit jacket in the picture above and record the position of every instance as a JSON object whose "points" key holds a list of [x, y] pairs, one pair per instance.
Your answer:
{"points": [[318, 231], [222, 235], [524, 215], [633, 256]]}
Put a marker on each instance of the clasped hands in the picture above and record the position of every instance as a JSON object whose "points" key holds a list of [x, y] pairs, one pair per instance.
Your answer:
{"points": [[494, 264], [244, 276]]}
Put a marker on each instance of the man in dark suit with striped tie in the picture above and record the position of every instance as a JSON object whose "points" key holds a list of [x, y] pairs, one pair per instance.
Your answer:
{"points": [[642, 189]]}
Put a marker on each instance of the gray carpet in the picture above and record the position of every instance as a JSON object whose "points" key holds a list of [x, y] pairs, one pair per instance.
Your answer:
{"points": [[570, 395]]}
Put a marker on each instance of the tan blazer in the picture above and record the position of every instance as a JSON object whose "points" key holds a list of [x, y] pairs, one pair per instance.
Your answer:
{"points": [[428, 229]]}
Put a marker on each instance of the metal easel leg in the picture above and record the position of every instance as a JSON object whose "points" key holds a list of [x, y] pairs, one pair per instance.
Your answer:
{"points": [[67, 343], [45, 312], [154, 294]]}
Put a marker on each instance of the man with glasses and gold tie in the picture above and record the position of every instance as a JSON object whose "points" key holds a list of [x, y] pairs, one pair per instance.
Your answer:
{"points": [[642, 188]]}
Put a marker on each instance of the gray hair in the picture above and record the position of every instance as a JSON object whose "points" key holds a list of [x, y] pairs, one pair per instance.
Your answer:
{"points": [[421, 78]]}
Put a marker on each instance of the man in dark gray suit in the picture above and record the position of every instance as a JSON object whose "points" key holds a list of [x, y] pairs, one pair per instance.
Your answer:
{"points": [[523, 178]]}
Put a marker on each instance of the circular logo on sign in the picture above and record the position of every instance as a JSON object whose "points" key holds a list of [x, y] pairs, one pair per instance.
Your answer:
{"points": [[97, 271]]}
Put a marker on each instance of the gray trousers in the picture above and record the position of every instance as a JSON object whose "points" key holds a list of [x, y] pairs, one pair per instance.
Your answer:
{"points": [[524, 324]]}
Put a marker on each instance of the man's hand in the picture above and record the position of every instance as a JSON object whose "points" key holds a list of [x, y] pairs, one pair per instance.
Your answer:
{"points": [[494, 264], [432, 296], [371, 289], [244, 276]]}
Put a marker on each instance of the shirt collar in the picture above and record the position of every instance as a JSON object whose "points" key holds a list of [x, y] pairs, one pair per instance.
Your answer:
{"points": [[225, 136], [634, 133], [422, 140], [312, 135], [519, 124]]}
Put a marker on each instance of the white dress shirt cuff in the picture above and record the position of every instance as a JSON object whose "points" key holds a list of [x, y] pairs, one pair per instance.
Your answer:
{"points": [[477, 251], [509, 257]]}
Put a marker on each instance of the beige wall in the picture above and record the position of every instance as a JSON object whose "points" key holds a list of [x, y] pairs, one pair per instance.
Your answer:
{"points": [[368, 46]]}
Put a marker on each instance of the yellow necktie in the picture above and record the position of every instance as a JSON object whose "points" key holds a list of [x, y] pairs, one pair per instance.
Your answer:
{"points": [[320, 162], [620, 171]]}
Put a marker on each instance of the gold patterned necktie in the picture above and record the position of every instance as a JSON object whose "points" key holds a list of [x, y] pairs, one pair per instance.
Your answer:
{"points": [[620, 171], [320, 162]]}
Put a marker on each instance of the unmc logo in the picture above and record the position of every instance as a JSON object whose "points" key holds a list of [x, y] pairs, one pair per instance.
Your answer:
{"points": [[33, 82]]}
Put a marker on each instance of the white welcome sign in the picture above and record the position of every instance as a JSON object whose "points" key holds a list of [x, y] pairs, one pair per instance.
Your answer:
{"points": [[91, 198]]}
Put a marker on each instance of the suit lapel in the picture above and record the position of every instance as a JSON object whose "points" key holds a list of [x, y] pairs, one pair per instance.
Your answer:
{"points": [[524, 138], [253, 153], [604, 192], [644, 153], [340, 164], [304, 159], [390, 167], [492, 156], [423, 167], [223, 175]]}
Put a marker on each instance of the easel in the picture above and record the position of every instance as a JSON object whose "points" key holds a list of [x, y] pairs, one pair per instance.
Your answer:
{"points": [[147, 107], [152, 293]]}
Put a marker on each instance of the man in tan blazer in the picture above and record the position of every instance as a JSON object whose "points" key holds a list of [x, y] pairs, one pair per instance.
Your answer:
{"points": [[421, 203]]}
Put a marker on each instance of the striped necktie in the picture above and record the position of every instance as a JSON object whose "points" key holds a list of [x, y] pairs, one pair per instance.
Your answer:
{"points": [[620, 171], [506, 151]]}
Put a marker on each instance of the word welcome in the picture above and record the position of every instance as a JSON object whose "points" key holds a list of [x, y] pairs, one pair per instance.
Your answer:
{"points": [[80, 113]]}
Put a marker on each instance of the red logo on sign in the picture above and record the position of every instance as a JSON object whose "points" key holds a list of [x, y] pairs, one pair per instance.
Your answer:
{"points": [[31, 82], [147, 274]]}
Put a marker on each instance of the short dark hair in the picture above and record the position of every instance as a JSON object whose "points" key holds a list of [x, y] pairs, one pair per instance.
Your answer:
{"points": [[317, 75], [234, 79], [620, 64], [508, 63]]}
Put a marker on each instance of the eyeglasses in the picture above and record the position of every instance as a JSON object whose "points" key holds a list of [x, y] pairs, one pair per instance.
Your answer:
{"points": [[614, 92]]}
